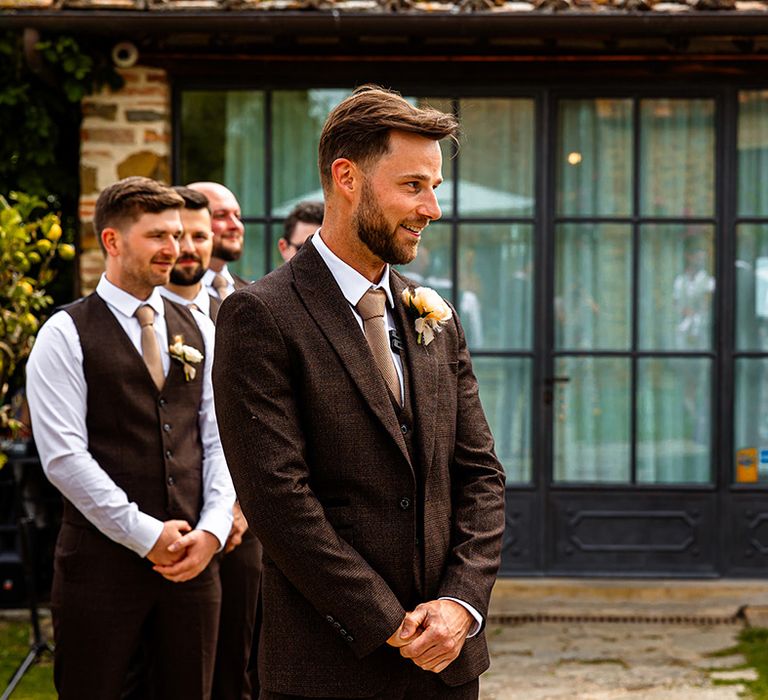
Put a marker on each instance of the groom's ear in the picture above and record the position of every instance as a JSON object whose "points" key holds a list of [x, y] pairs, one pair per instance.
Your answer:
{"points": [[346, 177]]}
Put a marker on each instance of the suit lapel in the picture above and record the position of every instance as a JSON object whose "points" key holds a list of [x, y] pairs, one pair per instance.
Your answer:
{"points": [[330, 310], [422, 370]]}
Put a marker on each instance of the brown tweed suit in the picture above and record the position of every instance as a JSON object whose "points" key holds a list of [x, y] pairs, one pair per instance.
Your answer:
{"points": [[327, 482]]}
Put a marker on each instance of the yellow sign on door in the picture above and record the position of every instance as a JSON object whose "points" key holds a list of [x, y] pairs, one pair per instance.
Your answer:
{"points": [[746, 465]]}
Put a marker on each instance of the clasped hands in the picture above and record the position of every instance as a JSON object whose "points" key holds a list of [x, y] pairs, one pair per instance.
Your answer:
{"points": [[181, 553], [433, 634]]}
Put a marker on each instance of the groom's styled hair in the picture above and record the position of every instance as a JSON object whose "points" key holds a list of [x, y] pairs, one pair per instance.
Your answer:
{"points": [[358, 127]]}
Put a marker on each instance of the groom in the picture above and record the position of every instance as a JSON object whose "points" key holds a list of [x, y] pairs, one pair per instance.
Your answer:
{"points": [[361, 456]]}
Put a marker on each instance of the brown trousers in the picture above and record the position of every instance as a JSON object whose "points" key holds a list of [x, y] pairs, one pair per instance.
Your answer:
{"points": [[413, 684], [106, 602], [240, 574]]}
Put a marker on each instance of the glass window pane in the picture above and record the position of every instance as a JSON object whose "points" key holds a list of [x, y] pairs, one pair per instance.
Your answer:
{"points": [[297, 120], [505, 390], [592, 420], [222, 139], [497, 158], [674, 420], [496, 285], [203, 128], [753, 153], [751, 420], [677, 285], [432, 266], [752, 287], [594, 170], [252, 264], [677, 157], [593, 286]]}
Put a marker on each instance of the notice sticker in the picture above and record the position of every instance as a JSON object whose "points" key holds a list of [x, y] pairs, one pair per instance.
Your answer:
{"points": [[746, 465]]}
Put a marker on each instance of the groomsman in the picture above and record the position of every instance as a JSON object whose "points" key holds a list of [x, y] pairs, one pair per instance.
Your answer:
{"points": [[240, 565], [228, 237], [302, 221], [122, 408]]}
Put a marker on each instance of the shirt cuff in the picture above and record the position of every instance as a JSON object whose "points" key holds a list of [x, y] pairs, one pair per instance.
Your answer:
{"points": [[476, 615], [217, 523], [145, 535]]}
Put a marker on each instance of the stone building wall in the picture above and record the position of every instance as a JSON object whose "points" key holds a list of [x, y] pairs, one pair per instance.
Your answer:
{"points": [[123, 133]]}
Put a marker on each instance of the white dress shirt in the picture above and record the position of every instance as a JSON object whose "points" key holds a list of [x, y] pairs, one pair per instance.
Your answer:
{"points": [[57, 394], [353, 285], [207, 280], [202, 300]]}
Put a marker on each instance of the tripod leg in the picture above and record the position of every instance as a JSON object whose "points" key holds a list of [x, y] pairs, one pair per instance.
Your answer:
{"points": [[31, 657]]}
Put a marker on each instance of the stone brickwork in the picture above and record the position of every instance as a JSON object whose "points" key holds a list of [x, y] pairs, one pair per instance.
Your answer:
{"points": [[123, 133]]}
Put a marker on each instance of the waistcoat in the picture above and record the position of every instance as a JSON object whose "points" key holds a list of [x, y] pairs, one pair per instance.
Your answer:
{"points": [[147, 440]]}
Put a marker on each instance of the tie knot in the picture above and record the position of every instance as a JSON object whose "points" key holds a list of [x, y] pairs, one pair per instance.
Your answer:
{"points": [[220, 282], [372, 304], [145, 315]]}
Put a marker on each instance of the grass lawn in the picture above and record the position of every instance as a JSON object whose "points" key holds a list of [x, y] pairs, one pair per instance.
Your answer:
{"points": [[753, 644], [37, 684]]}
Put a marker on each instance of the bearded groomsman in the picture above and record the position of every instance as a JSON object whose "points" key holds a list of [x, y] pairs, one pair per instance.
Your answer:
{"points": [[122, 408], [356, 438], [240, 564], [228, 238]]}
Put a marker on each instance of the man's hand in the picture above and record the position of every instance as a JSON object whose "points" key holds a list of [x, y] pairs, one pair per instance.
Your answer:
{"points": [[239, 526], [434, 634], [197, 548], [173, 530]]}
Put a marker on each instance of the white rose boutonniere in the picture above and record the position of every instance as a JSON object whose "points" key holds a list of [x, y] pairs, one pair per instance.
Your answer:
{"points": [[431, 312], [185, 354]]}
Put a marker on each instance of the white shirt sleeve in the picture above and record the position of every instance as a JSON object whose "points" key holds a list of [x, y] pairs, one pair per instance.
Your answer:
{"points": [[478, 617], [218, 490], [57, 395]]}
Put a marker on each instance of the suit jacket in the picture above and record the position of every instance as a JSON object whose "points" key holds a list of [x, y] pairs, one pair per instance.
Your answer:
{"points": [[326, 481]]}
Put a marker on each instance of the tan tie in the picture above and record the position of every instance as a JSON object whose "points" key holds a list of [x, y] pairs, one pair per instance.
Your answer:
{"points": [[149, 346], [221, 286], [371, 308]]}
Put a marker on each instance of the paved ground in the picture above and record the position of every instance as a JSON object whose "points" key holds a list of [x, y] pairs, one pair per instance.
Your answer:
{"points": [[656, 643], [607, 661]]}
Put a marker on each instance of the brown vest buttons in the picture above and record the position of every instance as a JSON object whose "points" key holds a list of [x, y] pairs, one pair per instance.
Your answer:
{"points": [[171, 481], [405, 503], [167, 427]]}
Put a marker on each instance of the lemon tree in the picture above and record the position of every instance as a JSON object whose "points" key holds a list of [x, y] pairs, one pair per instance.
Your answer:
{"points": [[29, 244]]}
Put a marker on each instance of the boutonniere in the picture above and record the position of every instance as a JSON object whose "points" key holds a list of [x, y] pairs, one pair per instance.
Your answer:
{"points": [[185, 354], [431, 312]]}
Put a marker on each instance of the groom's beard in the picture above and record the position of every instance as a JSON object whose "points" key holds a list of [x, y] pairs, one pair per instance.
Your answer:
{"points": [[187, 276], [373, 229]]}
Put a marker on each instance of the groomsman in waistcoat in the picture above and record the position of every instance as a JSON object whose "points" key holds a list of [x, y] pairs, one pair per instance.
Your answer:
{"points": [[122, 408], [355, 436], [228, 237], [240, 565]]}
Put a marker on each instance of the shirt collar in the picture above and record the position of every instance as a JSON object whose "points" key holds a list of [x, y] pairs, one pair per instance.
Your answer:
{"points": [[202, 301], [352, 284], [126, 303], [207, 278]]}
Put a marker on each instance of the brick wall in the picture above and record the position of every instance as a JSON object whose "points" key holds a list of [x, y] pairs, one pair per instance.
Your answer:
{"points": [[123, 133]]}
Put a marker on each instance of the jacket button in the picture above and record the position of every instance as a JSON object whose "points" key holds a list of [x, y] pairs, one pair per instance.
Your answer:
{"points": [[162, 402], [329, 619], [167, 427], [404, 428], [168, 454], [350, 638], [337, 625], [171, 481], [405, 503]]}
